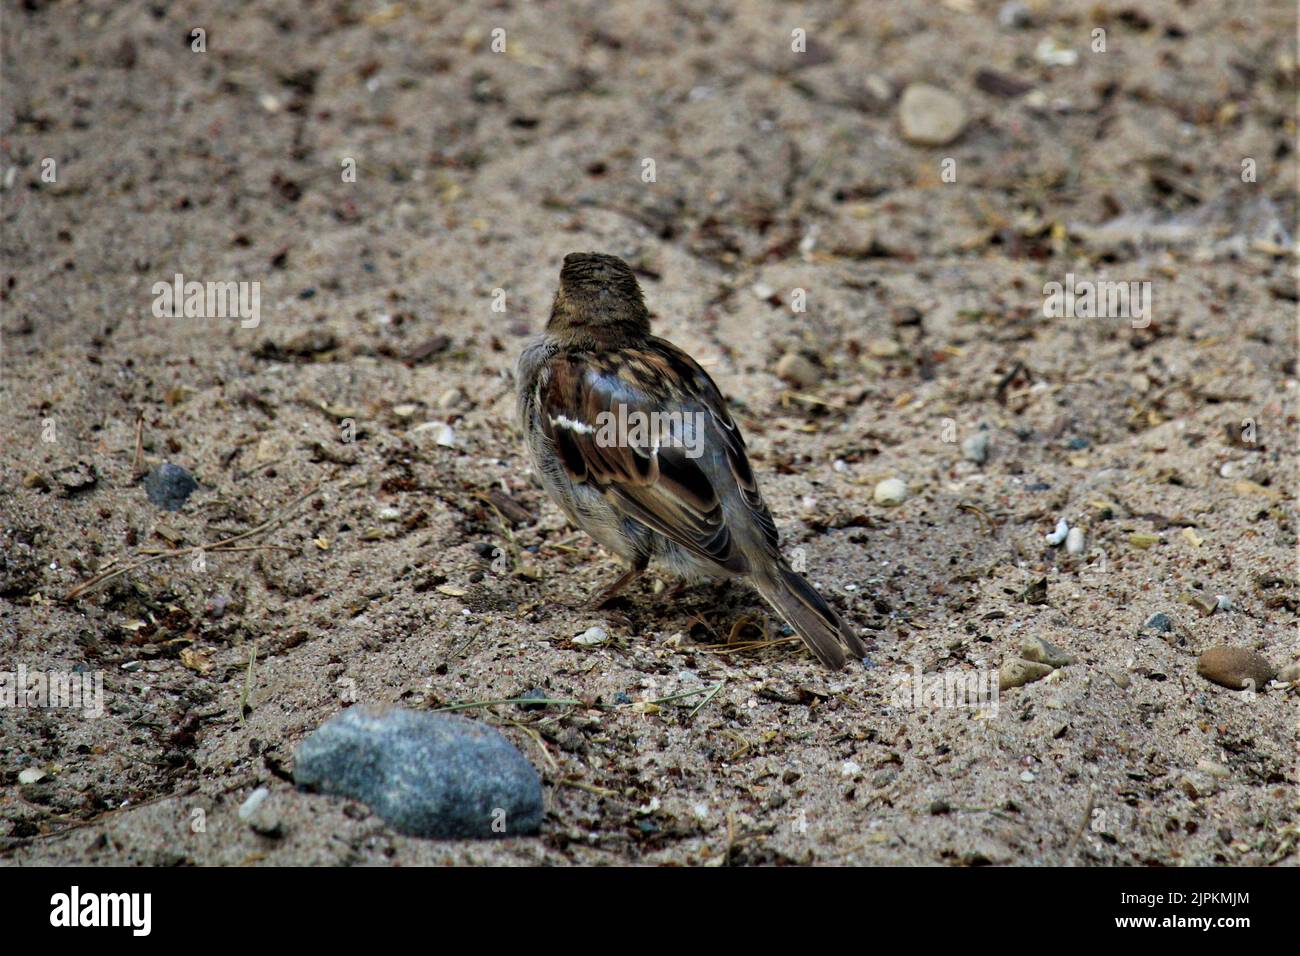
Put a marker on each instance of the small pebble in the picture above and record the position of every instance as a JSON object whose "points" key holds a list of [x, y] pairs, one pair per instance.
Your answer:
{"points": [[1120, 677], [169, 486], [1018, 673], [1051, 53], [1044, 652], [929, 116], [879, 87], [253, 803], [592, 637], [1289, 674], [30, 775], [389, 514], [797, 370], [884, 348], [1159, 621], [257, 814], [1027, 776], [1060, 534], [74, 479], [850, 769], [1222, 602], [1236, 668], [1075, 542], [535, 693], [976, 448], [1203, 603], [891, 492], [1014, 15]]}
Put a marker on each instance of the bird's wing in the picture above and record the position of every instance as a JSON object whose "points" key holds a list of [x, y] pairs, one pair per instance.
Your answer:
{"points": [[649, 428]]}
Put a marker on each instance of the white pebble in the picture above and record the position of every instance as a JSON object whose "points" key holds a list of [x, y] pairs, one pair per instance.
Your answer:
{"points": [[1060, 534], [1014, 15], [891, 492], [1223, 603], [1027, 777], [976, 448], [253, 803], [443, 433], [1075, 542], [592, 637], [30, 775], [849, 769]]}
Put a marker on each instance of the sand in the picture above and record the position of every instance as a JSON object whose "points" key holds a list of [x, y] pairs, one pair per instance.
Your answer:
{"points": [[419, 564]]}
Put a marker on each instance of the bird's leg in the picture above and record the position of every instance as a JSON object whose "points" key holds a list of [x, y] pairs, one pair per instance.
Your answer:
{"points": [[624, 579]]}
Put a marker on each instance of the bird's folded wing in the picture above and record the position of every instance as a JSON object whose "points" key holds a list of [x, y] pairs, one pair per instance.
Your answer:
{"points": [[645, 426]]}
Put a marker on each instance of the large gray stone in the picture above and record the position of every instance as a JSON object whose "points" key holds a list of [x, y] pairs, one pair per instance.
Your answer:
{"points": [[430, 775]]}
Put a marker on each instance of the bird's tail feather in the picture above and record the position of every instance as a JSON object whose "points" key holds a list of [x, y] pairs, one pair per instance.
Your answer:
{"points": [[807, 612]]}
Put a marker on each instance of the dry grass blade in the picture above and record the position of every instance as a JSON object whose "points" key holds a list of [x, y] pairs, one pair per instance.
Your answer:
{"points": [[223, 545]]}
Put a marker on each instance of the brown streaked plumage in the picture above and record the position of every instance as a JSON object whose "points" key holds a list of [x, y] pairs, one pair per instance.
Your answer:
{"points": [[680, 491]]}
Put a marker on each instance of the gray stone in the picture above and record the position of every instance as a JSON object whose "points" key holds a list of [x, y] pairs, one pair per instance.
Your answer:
{"points": [[169, 486], [1161, 622], [430, 775], [976, 448], [1014, 15]]}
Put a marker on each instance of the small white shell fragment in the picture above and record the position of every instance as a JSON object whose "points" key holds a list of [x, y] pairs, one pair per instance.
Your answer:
{"points": [[30, 775], [591, 637], [1075, 542], [389, 514], [1027, 776], [891, 492], [1060, 534], [253, 803], [849, 769]]}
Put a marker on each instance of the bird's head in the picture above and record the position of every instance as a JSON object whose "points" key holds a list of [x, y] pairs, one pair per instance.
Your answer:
{"points": [[598, 299]]}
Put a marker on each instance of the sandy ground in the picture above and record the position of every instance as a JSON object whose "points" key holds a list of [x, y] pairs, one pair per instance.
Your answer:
{"points": [[394, 569]]}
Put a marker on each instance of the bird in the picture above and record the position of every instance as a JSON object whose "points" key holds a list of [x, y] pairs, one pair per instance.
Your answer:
{"points": [[634, 442]]}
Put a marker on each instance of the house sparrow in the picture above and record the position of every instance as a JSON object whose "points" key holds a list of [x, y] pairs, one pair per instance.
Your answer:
{"points": [[634, 441]]}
